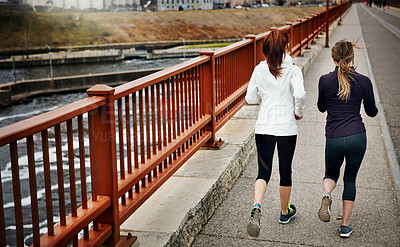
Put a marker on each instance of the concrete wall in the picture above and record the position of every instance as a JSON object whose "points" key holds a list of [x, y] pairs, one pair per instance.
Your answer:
{"points": [[15, 92]]}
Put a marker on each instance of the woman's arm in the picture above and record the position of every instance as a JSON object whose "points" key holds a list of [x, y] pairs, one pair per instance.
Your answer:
{"points": [[252, 96], [369, 100], [299, 92], [321, 96]]}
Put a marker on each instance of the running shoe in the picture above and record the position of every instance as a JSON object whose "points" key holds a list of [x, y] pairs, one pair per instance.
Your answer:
{"points": [[284, 219], [345, 231], [253, 223], [324, 212]]}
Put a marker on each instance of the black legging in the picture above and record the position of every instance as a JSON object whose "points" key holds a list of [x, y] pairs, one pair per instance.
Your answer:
{"points": [[352, 148], [265, 149]]}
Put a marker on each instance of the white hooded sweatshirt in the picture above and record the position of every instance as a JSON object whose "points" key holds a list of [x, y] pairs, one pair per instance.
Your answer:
{"points": [[276, 115]]}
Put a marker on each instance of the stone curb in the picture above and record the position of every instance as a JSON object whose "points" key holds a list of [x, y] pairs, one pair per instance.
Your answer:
{"points": [[198, 216], [194, 220]]}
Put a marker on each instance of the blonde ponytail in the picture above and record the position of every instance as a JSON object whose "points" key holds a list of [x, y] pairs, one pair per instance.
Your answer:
{"points": [[344, 79], [343, 54]]}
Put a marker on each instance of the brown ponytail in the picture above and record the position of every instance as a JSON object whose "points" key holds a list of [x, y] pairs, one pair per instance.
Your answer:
{"points": [[343, 54], [274, 46]]}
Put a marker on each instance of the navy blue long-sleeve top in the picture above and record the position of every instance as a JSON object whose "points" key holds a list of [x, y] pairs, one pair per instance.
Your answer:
{"points": [[344, 117]]}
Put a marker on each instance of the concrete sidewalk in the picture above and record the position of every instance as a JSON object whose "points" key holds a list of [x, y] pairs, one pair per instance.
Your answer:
{"points": [[376, 214], [176, 213]]}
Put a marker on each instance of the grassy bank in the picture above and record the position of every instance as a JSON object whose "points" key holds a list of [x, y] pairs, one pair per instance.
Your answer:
{"points": [[25, 30]]}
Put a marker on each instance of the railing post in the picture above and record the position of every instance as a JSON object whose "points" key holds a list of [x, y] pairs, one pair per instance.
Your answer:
{"points": [[290, 38], [253, 37], [313, 28], [207, 82], [340, 13], [103, 159], [301, 35], [327, 25], [308, 32]]}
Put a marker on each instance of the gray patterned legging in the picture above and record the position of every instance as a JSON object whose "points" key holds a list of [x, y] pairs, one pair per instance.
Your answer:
{"points": [[352, 148]]}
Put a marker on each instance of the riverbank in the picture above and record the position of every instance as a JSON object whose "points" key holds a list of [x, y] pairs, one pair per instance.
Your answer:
{"points": [[110, 53], [24, 31]]}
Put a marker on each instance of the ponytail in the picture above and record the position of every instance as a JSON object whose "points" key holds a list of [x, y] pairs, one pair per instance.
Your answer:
{"points": [[274, 47], [343, 54]]}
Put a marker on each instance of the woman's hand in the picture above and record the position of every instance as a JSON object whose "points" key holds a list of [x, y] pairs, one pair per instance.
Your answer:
{"points": [[297, 118]]}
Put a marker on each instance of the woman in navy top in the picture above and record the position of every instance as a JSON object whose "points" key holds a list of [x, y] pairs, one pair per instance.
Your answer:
{"points": [[341, 93]]}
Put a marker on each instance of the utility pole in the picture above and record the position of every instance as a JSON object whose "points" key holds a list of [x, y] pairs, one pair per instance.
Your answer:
{"points": [[327, 25]]}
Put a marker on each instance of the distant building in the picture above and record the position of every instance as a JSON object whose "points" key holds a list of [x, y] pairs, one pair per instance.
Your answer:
{"points": [[81, 5], [163, 5]]}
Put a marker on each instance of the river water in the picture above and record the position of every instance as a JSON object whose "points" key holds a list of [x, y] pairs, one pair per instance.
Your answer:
{"points": [[37, 106], [7, 75]]}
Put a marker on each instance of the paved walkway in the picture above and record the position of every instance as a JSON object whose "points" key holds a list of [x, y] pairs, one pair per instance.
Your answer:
{"points": [[376, 215]]}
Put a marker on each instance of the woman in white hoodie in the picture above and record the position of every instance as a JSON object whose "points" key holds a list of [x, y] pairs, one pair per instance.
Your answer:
{"points": [[278, 84]]}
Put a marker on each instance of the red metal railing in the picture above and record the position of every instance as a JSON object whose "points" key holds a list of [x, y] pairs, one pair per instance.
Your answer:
{"points": [[126, 142]]}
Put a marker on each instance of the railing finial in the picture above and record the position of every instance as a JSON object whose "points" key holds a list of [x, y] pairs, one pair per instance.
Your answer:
{"points": [[206, 52], [100, 89], [250, 36]]}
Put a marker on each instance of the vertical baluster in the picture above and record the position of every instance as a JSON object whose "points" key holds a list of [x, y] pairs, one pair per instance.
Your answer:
{"points": [[159, 116], [134, 126], [217, 78], [147, 106], [141, 128], [169, 109], [128, 140], [153, 120], [94, 194], [190, 96], [121, 145], [149, 177], [182, 105], [141, 125], [224, 80], [128, 134], [193, 100], [153, 125], [185, 106], [75, 241], [186, 93], [164, 114], [33, 190], [82, 161], [17, 194], [178, 106], [2, 218], [159, 127], [82, 166], [173, 92], [47, 183], [60, 175], [235, 55], [121, 141], [71, 165], [197, 92]]}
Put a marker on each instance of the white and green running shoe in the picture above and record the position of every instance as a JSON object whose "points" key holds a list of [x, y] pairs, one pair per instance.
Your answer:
{"points": [[284, 219], [253, 223]]}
